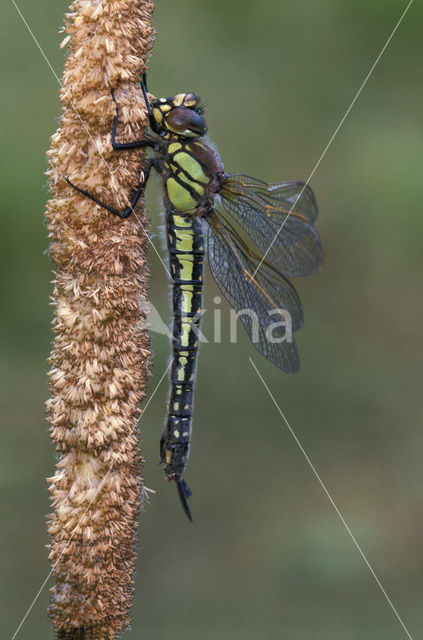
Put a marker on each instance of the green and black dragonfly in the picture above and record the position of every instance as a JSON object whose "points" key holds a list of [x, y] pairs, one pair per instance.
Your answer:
{"points": [[256, 235]]}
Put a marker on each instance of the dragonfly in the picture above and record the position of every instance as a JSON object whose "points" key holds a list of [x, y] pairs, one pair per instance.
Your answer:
{"points": [[256, 234]]}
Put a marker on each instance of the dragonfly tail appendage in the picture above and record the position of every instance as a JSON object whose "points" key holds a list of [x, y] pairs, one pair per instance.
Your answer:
{"points": [[184, 493]]}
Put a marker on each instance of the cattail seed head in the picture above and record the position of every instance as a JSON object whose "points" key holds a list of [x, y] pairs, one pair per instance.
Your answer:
{"points": [[100, 358]]}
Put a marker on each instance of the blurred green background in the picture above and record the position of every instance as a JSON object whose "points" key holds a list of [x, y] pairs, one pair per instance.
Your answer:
{"points": [[267, 556]]}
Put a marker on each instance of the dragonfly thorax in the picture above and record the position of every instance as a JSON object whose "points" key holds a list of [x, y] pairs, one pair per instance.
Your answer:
{"points": [[192, 175]]}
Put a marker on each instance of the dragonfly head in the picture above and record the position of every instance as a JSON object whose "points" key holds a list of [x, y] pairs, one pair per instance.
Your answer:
{"points": [[178, 117]]}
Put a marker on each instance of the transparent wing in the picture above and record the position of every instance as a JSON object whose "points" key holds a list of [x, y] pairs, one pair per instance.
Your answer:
{"points": [[268, 305], [279, 218], [282, 194]]}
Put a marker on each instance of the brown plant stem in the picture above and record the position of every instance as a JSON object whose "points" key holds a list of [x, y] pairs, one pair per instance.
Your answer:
{"points": [[100, 357]]}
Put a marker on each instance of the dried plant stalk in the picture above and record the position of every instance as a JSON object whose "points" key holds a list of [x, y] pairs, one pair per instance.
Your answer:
{"points": [[100, 357]]}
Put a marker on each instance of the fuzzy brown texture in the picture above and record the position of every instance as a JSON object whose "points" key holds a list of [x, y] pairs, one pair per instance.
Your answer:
{"points": [[101, 354]]}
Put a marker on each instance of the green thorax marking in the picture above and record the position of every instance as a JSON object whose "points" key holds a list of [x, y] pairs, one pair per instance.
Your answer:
{"points": [[186, 180]]}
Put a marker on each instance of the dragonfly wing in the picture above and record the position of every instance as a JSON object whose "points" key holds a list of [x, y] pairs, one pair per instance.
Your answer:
{"points": [[267, 304], [279, 218], [296, 194]]}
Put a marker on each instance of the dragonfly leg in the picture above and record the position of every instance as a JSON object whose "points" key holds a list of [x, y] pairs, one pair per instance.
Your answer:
{"points": [[153, 124], [135, 144], [128, 210], [144, 80]]}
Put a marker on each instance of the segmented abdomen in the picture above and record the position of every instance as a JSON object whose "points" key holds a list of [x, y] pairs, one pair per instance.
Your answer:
{"points": [[186, 256]]}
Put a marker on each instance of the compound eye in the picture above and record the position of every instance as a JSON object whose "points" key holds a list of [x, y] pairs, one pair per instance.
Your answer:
{"points": [[185, 121]]}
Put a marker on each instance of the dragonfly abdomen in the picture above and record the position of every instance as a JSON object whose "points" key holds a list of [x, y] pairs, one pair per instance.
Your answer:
{"points": [[186, 251]]}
